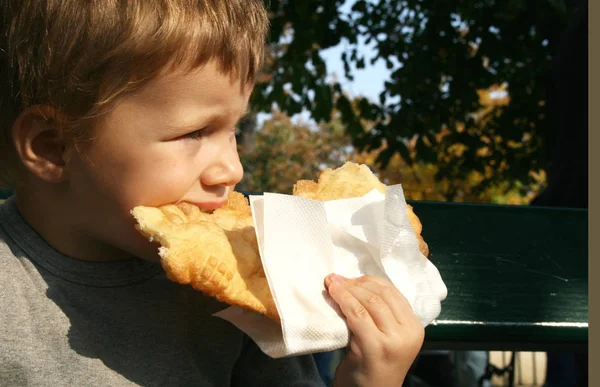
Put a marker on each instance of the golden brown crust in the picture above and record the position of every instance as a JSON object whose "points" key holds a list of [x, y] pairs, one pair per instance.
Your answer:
{"points": [[214, 253], [348, 181], [305, 188]]}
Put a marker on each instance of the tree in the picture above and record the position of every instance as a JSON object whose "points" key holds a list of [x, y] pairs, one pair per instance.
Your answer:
{"points": [[441, 54], [282, 152]]}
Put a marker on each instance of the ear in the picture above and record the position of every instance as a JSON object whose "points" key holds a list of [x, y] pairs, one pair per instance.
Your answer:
{"points": [[40, 143]]}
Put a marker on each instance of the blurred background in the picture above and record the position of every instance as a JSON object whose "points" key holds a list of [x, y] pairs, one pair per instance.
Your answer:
{"points": [[454, 99], [481, 101]]}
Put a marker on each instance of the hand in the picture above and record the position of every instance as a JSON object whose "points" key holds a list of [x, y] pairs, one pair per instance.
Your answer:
{"points": [[386, 335]]}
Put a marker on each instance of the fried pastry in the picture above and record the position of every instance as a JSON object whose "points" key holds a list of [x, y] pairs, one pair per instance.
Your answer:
{"points": [[215, 253]]}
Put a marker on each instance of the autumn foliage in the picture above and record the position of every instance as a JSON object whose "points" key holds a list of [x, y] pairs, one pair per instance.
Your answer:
{"points": [[282, 152]]}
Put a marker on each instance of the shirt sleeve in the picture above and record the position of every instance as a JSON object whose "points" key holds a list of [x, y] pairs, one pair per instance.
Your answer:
{"points": [[254, 368]]}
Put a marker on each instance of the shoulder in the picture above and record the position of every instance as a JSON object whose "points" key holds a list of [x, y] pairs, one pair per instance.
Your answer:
{"points": [[10, 265], [20, 277]]}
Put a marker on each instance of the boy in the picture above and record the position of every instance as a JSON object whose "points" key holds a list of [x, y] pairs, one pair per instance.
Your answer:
{"points": [[106, 105]]}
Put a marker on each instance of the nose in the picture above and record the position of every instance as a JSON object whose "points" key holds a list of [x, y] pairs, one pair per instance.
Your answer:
{"points": [[225, 168]]}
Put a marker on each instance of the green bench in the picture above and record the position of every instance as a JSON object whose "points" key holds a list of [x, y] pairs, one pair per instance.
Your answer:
{"points": [[517, 277]]}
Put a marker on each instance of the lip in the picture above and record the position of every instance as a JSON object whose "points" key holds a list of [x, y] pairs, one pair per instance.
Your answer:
{"points": [[209, 206]]}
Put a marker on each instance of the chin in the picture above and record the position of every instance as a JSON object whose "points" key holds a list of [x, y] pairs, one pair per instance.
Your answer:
{"points": [[143, 249], [149, 252]]}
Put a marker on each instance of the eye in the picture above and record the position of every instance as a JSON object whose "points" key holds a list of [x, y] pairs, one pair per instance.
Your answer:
{"points": [[195, 135]]}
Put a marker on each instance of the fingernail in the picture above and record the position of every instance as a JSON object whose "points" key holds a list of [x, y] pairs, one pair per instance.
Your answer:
{"points": [[335, 277]]}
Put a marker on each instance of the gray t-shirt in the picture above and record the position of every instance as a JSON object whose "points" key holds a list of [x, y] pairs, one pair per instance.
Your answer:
{"points": [[65, 322]]}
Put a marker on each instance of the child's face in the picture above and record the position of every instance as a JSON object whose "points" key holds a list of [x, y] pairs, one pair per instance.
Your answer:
{"points": [[171, 141]]}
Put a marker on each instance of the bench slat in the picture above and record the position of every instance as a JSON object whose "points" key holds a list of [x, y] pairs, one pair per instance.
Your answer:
{"points": [[516, 276]]}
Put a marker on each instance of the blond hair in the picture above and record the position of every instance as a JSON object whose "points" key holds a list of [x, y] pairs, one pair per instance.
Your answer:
{"points": [[78, 56]]}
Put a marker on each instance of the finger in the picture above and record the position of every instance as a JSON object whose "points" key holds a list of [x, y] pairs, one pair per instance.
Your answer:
{"points": [[357, 316], [398, 304], [375, 305], [407, 321]]}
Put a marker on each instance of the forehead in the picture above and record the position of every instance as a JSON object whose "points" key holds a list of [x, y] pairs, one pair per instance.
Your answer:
{"points": [[175, 102], [206, 87]]}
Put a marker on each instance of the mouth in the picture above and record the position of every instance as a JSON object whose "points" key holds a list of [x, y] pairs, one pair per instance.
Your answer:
{"points": [[208, 207]]}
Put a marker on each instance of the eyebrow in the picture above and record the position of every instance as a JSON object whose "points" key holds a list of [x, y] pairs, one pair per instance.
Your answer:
{"points": [[192, 124]]}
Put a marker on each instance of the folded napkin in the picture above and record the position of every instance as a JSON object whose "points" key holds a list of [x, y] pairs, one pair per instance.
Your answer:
{"points": [[301, 241]]}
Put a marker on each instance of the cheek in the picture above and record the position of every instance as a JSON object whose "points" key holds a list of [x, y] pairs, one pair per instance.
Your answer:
{"points": [[149, 175], [154, 182], [160, 187]]}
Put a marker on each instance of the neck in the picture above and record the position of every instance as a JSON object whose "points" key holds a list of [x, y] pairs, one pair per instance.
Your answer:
{"points": [[52, 216]]}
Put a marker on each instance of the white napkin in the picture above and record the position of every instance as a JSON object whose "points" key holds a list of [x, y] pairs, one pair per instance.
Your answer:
{"points": [[301, 241]]}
